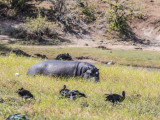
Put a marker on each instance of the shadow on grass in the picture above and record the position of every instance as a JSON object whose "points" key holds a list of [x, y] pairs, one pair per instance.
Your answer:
{"points": [[4, 48]]}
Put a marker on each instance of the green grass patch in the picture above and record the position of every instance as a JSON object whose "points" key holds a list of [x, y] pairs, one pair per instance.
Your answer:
{"points": [[142, 93], [120, 57]]}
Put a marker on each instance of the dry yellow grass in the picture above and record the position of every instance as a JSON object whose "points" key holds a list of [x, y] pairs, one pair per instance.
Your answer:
{"points": [[142, 93]]}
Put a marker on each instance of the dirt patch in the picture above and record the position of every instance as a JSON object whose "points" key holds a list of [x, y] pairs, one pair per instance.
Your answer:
{"points": [[88, 60], [103, 48], [93, 60], [148, 28], [41, 56], [82, 57]]}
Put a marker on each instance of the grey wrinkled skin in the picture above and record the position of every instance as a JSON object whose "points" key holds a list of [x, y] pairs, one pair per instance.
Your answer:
{"points": [[65, 68]]}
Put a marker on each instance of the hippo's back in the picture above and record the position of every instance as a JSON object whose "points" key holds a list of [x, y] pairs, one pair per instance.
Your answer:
{"points": [[54, 67]]}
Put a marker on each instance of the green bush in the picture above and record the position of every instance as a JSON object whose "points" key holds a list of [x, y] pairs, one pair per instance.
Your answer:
{"points": [[119, 16], [37, 24], [35, 31], [89, 12], [39, 28]]}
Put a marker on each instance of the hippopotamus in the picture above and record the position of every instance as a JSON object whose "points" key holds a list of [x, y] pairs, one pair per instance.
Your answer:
{"points": [[66, 69]]}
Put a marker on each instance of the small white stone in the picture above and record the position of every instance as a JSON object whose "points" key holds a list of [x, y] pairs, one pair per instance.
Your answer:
{"points": [[16, 74], [109, 63]]}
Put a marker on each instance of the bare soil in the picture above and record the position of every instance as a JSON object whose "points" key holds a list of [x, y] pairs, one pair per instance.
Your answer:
{"points": [[147, 29]]}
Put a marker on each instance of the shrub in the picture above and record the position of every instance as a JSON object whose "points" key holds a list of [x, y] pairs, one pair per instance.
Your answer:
{"points": [[17, 9], [39, 29], [17, 4], [34, 31], [89, 13], [119, 15]]}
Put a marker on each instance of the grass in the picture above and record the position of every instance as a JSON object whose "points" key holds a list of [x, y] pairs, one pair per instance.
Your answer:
{"points": [[120, 57], [142, 93]]}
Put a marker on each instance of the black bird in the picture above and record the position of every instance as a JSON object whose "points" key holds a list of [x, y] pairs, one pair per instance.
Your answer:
{"points": [[81, 4], [24, 93], [72, 94], [41, 56], [64, 91], [17, 117], [1, 100], [115, 97], [64, 56]]}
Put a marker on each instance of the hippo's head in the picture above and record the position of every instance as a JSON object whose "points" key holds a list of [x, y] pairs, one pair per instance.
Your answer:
{"points": [[92, 73]]}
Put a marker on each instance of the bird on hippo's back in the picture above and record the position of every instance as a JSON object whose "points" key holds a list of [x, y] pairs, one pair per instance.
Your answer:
{"points": [[24, 93], [115, 98]]}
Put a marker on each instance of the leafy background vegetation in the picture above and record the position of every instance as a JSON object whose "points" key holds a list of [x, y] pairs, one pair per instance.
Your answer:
{"points": [[67, 16]]}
